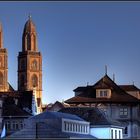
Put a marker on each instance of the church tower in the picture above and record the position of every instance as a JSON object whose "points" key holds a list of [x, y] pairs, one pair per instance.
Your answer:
{"points": [[30, 62], [3, 64]]}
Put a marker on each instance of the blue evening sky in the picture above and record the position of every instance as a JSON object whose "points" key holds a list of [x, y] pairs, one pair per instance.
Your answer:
{"points": [[77, 39]]}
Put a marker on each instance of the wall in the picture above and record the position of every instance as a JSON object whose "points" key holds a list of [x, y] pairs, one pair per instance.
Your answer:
{"points": [[101, 133]]}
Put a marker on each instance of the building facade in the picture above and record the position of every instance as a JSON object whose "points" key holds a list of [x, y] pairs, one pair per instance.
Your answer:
{"points": [[17, 105], [3, 65], [30, 62], [101, 126], [42, 126], [119, 102]]}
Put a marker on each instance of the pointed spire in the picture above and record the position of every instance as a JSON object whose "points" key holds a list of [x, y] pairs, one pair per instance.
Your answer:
{"points": [[29, 37], [1, 36]]}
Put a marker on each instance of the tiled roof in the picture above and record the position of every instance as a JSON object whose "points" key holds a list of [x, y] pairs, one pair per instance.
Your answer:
{"points": [[45, 130], [56, 115], [129, 87], [13, 111], [79, 99], [81, 88], [118, 94], [92, 115], [43, 126], [56, 105]]}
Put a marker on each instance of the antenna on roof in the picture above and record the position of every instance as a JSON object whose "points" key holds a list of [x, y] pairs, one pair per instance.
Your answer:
{"points": [[113, 77], [105, 69], [133, 83]]}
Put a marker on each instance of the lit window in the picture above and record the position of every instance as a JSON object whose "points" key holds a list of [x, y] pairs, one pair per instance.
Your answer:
{"points": [[123, 111], [34, 80], [1, 78], [103, 93], [34, 65]]}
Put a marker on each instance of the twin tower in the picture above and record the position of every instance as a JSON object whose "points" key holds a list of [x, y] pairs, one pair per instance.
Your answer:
{"points": [[29, 63]]}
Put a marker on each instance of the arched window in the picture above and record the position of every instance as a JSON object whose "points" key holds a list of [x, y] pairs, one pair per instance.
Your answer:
{"points": [[28, 42], [1, 78], [33, 41], [34, 80], [0, 61], [34, 65]]}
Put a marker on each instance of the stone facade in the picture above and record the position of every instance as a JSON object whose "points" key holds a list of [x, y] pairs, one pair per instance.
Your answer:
{"points": [[30, 62], [3, 64]]}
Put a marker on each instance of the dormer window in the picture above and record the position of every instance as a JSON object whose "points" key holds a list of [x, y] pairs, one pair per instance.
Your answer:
{"points": [[103, 93]]}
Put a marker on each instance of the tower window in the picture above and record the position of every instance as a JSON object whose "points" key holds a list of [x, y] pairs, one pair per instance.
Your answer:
{"points": [[28, 42], [34, 65], [34, 80], [0, 61], [1, 78]]}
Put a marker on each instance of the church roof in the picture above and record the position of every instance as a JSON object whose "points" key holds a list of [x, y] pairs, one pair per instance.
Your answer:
{"points": [[118, 94], [29, 26]]}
